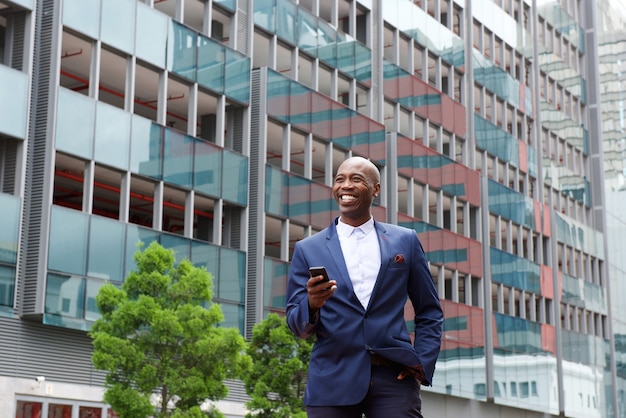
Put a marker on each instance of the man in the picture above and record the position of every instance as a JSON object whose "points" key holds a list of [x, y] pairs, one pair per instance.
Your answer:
{"points": [[363, 360]]}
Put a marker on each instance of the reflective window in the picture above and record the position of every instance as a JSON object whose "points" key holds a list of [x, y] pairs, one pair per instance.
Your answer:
{"points": [[65, 295], [134, 236], [232, 275], [235, 178], [151, 31], [75, 123], [13, 102], [211, 58], [208, 169], [146, 153], [118, 24], [9, 225], [275, 284], [182, 49], [68, 241], [7, 286], [177, 158], [106, 249], [112, 135], [82, 15]]}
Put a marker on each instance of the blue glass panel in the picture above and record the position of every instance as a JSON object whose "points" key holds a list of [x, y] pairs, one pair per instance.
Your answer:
{"points": [[211, 58], [135, 235], [511, 205], [151, 43], [181, 51], [75, 123], [9, 227], [178, 158], [237, 76], [118, 24], [518, 334], [234, 316], [106, 249], [496, 141], [362, 63], [83, 16], [327, 43], [514, 271], [307, 32], [300, 199], [264, 15], [180, 245], [112, 136], [206, 256], [235, 186], [91, 308], [67, 251], [207, 176], [232, 275], [65, 295], [7, 286], [275, 283], [276, 185], [228, 4], [286, 16], [145, 151], [13, 102]]}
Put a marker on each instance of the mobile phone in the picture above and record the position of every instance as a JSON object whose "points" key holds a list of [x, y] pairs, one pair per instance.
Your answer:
{"points": [[317, 271]]}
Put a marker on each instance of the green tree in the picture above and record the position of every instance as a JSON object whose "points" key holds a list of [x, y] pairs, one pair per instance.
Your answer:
{"points": [[159, 340], [277, 379]]}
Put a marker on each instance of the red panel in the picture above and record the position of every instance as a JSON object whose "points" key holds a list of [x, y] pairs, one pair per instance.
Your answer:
{"points": [[546, 282]]}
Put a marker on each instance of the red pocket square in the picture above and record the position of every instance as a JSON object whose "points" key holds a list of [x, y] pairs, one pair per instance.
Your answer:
{"points": [[399, 258]]}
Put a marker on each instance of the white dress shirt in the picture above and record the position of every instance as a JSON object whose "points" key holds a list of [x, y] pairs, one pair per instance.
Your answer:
{"points": [[361, 252]]}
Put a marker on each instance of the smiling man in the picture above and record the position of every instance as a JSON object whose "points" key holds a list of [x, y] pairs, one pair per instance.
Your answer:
{"points": [[363, 360]]}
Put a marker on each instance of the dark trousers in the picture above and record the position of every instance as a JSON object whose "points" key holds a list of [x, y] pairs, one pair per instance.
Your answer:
{"points": [[387, 397]]}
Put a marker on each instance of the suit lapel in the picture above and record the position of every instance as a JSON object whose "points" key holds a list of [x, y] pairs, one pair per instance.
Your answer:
{"points": [[334, 249], [383, 241]]}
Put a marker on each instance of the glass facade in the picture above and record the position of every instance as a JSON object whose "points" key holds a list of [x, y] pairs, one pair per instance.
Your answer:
{"points": [[215, 128]]}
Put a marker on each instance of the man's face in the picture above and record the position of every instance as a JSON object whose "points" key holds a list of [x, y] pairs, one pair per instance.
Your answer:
{"points": [[354, 189]]}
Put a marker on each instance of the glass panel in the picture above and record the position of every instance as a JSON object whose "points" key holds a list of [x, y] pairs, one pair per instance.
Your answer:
{"points": [[65, 295], [9, 226], [237, 76], [68, 241], [82, 15], [7, 285], [207, 256], [207, 169], [276, 197], [118, 24], [106, 249], [286, 15], [177, 158], [135, 235], [299, 199], [211, 57], [235, 186], [112, 136], [89, 412], [275, 279], [180, 245], [91, 309], [181, 50], [264, 15], [13, 102], [145, 154], [75, 123], [234, 316], [151, 43], [232, 275]]}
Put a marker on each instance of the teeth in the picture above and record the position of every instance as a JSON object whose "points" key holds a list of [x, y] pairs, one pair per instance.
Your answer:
{"points": [[345, 198]]}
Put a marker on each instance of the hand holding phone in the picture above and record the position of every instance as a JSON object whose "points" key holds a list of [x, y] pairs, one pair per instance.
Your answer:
{"points": [[319, 271]]}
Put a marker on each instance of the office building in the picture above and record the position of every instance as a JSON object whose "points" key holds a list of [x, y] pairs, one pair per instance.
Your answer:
{"points": [[215, 127]]}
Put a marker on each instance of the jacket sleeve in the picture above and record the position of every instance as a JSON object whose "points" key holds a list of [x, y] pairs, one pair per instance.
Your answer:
{"points": [[298, 318], [428, 312]]}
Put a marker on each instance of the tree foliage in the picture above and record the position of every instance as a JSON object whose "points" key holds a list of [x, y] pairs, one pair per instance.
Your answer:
{"points": [[159, 340], [277, 379]]}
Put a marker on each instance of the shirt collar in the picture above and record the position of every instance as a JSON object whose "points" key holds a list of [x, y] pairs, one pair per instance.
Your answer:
{"points": [[347, 230]]}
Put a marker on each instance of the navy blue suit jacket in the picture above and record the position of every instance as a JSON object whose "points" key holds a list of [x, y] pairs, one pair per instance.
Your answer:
{"points": [[347, 333]]}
